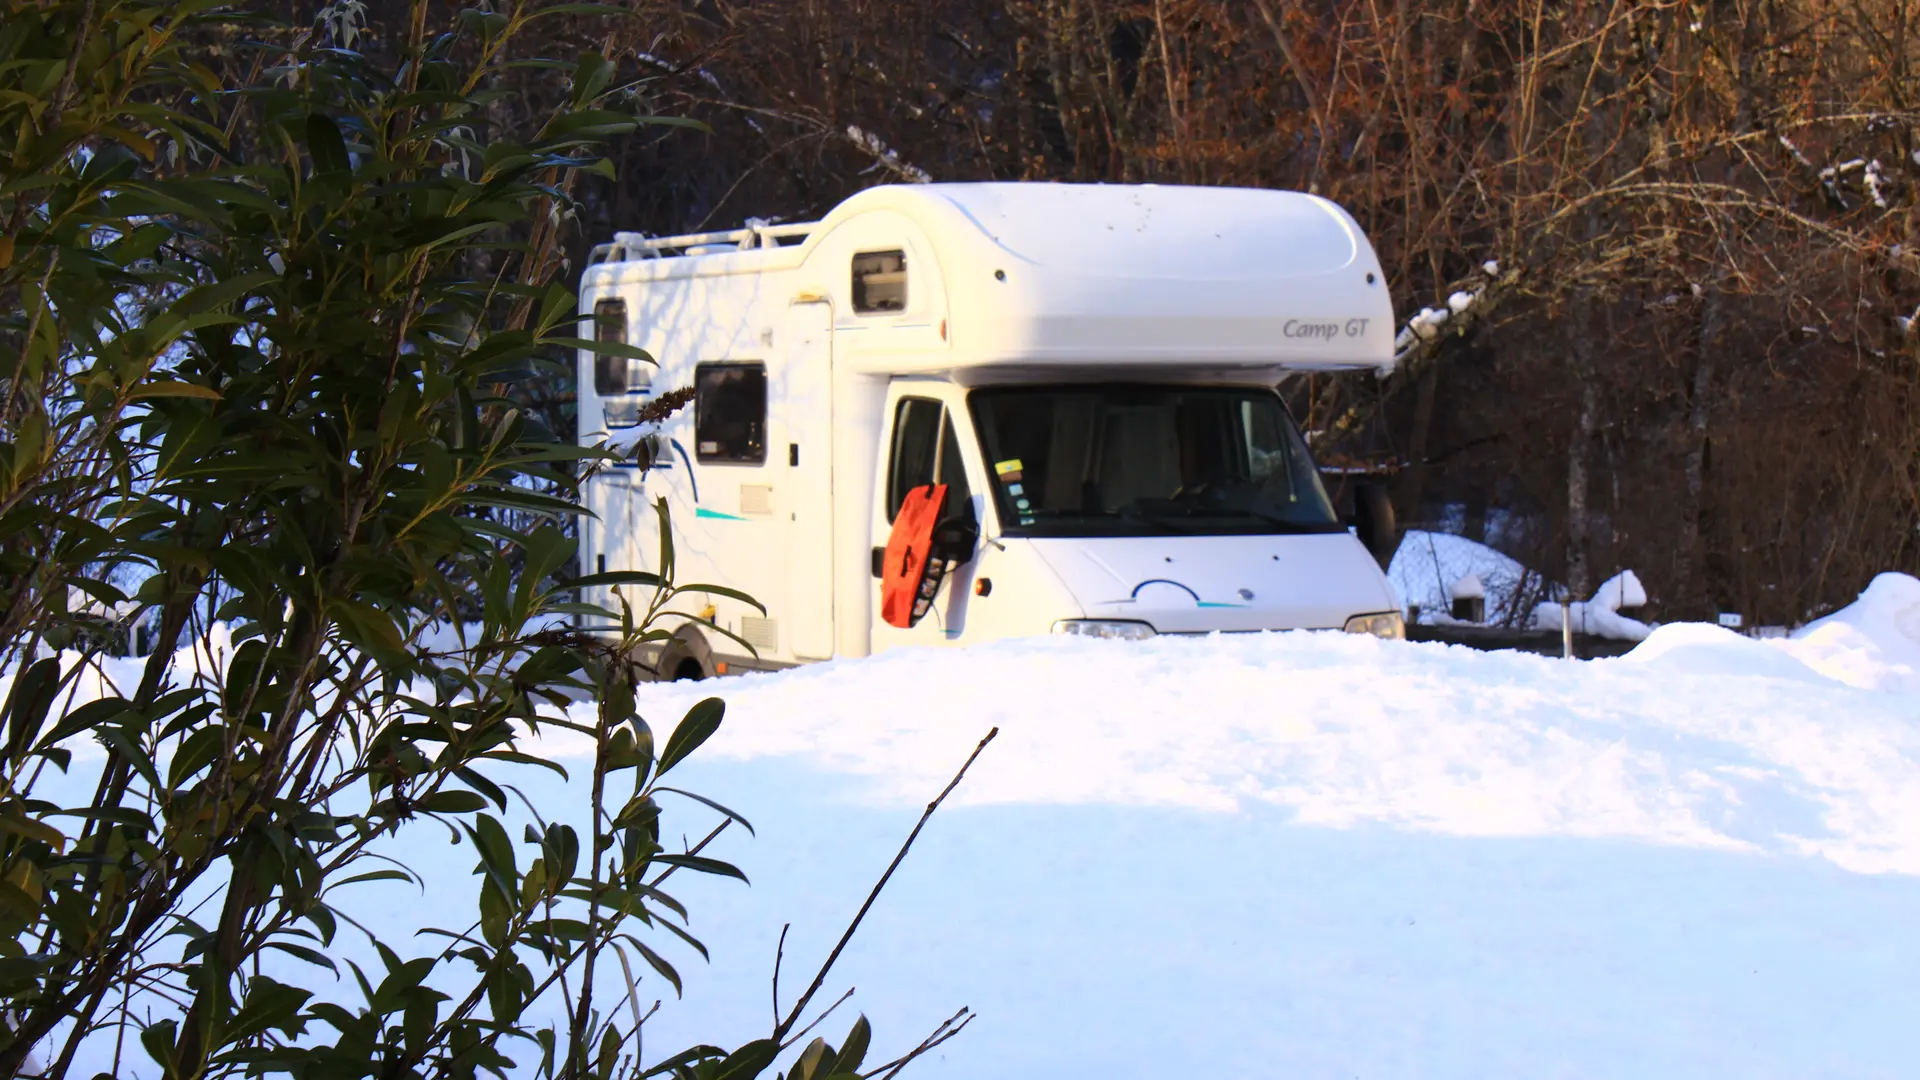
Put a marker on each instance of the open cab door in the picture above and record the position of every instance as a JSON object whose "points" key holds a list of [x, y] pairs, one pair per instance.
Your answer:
{"points": [[926, 518]]}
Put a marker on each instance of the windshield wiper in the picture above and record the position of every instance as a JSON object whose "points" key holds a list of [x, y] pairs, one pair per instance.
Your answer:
{"points": [[1136, 512], [1219, 507], [1285, 523]]}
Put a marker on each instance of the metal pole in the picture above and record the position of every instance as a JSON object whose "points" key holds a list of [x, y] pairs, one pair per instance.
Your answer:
{"points": [[1566, 626]]}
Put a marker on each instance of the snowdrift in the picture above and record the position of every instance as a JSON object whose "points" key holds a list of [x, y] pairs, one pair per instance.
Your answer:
{"points": [[1322, 855], [1699, 737]]}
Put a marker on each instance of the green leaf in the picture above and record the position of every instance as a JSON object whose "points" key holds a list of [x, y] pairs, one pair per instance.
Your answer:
{"points": [[329, 150], [720, 590], [117, 740], [373, 875], [656, 962], [590, 77], [453, 801], [519, 758], [621, 753], [814, 1061], [580, 9], [322, 918], [605, 348], [701, 864], [268, 1005], [159, 1041], [697, 727], [220, 293], [27, 704], [196, 752], [101, 591], [173, 390], [481, 784], [615, 577], [684, 1058], [749, 1061], [20, 825], [84, 718], [311, 956], [710, 804], [673, 121], [854, 1050], [496, 851], [117, 815], [368, 627]]}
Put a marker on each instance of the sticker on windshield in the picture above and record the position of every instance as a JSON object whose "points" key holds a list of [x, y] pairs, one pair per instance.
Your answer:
{"points": [[1008, 470], [1016, 489], [1023, 504]]}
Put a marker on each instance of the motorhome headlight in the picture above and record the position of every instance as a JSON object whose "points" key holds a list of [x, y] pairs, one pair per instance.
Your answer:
{"points": [[1124, 629], [1386, 624]]}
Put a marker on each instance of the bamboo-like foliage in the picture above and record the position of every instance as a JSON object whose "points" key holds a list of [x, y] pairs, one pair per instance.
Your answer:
{"points": [[263, 291]]}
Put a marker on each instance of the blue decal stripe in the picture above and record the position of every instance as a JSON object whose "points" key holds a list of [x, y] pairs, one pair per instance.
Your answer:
{"points": [[703, 512], [1163, 581]]}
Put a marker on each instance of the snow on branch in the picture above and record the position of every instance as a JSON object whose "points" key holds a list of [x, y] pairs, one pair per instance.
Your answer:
{"points": [[1426, 325], [885, 157]]}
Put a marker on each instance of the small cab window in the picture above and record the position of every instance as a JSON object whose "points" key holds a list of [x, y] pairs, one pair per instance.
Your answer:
{"points": [[730, 412], [879, 282], [925, 451]]}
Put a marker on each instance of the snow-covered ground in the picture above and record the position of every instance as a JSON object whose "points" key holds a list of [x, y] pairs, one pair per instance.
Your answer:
{"points": [[1317, 855], [1321, 855]]}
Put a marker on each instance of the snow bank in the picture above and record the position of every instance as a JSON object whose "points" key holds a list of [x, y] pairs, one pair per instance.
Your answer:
{"points": [[1322, 854], [1601, 616], [1676, 744], [1872, 643], [1667, 745]]}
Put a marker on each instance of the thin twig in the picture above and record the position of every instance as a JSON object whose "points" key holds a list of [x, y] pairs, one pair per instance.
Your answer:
{"points": [[947, 1030], [779, 951], [800, 1006], [816, 1021]]}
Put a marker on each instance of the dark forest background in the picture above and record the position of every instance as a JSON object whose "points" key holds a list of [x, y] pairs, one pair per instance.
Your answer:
{"points": [[1689, 226]]}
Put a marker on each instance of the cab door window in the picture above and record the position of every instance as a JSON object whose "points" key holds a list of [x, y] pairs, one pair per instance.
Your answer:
{"points": [[925, 451]]}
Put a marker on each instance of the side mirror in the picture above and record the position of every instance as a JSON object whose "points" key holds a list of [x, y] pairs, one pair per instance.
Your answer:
{"points": [[1373, 520], [956, 538]]}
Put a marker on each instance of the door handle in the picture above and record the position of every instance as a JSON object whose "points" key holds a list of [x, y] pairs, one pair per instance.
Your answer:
{"points": [[879, 562]]}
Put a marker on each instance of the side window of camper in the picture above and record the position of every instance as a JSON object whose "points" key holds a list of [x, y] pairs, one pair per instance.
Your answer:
{"points": [[924, 448], [616, 378], [615, 374], [730, 412], [879, 282]]}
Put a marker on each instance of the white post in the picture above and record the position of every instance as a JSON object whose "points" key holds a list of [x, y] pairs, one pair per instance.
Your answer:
{"points": [[1566, 626]]}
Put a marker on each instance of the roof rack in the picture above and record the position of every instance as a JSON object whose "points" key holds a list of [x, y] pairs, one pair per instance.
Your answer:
{"points": [[757, 234]]}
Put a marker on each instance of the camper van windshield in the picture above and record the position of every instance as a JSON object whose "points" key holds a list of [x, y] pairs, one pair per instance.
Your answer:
{"points": [[1148, 461]]}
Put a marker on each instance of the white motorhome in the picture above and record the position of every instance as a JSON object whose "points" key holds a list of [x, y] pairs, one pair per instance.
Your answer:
{"points": [[1090, 369]]}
